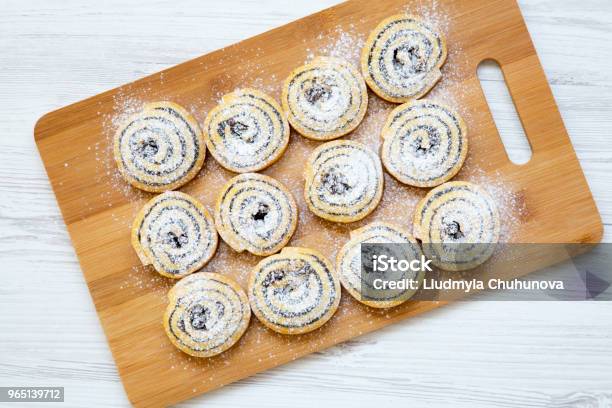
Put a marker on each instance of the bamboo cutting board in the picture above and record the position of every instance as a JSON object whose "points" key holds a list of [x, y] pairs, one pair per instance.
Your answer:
{"points": [[548, 198]]}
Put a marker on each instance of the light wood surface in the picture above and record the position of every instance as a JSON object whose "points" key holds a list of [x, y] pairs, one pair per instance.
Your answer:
{"points": [[339, 388]]}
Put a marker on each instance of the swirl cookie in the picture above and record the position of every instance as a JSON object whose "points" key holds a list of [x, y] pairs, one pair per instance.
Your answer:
{"points": [[424, 143], [357, 275], [325, 99], [344, 181], [294, 292], [175, 233], [255, 213], [160, 148], [458, 224], [247, 131], [402, 57], [207, 314]]}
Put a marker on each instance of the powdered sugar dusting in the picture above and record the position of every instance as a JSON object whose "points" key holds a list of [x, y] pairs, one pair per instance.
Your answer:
{"points": [[456, 64], [428, 12], [509, 204], [370, 128], [141, 279], [124, 107], [344, 41]]}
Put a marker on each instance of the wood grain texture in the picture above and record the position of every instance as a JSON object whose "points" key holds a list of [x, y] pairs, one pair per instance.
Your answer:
{"points": [[52, 274]]}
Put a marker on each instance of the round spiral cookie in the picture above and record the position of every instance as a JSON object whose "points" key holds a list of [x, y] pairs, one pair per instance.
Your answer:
{"points": [[344, 181], [424, 143], [207, 314], [402, 57], [247, 131], [255, 213], [353, 272], [175, 233], [325, 99], [160, 148], [294, 292], [459, 225]]}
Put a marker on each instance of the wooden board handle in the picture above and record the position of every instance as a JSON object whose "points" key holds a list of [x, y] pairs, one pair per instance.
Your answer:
{"points": [[529, 89]]}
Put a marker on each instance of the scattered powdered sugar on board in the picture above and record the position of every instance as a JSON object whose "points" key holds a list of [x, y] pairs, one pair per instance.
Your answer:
{"points": [[140, 279], [344, 41], [124, 107], [456, 96], [509, 205], [370, 128], [428, 11]]}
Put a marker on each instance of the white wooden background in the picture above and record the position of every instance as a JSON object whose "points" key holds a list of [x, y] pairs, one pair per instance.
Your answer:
{"points": [[478, 354]]}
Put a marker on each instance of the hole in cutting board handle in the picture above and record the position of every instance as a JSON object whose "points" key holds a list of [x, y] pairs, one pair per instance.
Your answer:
{"points": [[504, 112]]}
